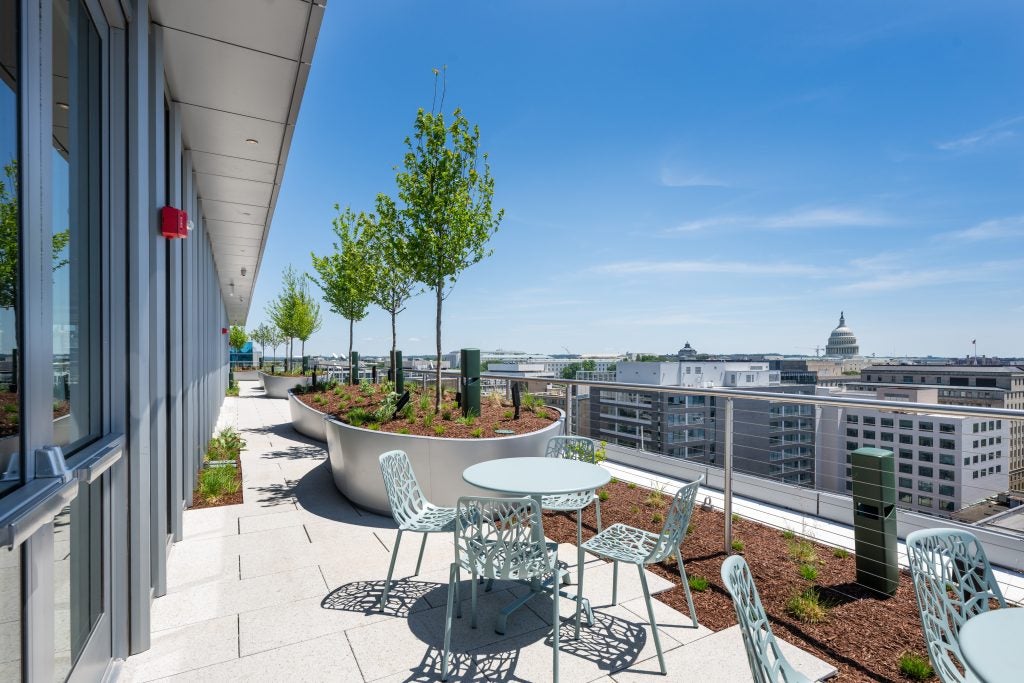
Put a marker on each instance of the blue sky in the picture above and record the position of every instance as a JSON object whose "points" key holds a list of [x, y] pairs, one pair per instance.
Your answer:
{"points": [[732, 174]]}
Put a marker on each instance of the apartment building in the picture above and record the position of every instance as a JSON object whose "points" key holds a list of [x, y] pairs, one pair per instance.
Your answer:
{"points": [[965, 385], [774, 440], [943, 463]]}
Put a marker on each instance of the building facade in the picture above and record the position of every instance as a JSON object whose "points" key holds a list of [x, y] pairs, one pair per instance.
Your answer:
{"points": [[118, 119], [965, 385], [943, 463], [770, 439]]}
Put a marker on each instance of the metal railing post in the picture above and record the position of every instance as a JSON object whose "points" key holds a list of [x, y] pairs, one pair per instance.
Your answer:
{"points": [[727, 484], [568, 410]]}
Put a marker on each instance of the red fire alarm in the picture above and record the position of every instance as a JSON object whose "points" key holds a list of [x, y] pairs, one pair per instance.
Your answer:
{"points": [[223, 330], [173, 223]]}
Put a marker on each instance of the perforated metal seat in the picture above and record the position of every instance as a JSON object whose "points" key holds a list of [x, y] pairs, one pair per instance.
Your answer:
{"points": [[622, 543], [500, 538], [767, 663], [410, 509], [953, 582]]}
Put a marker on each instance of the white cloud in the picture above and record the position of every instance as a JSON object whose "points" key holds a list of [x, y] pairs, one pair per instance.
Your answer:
{"points": [[671, 177], [910, 277], [1000, 130], [997, 228], [415, 339], [798, 219], [727, 267]]}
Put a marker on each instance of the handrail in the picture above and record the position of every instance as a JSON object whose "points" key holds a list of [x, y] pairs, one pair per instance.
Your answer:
{"points": [[719, 392]]}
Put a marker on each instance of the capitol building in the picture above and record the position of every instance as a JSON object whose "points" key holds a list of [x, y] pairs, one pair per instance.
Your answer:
{"points": [[842, 341]]}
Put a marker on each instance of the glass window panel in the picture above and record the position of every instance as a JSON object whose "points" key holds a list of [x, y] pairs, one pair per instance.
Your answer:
{"points": [[76, 232], [76, 224], [10, 222]]}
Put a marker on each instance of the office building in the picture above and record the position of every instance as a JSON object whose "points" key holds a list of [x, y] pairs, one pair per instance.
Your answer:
{"points": [[965, 385], [943, 463], [143, 145]]}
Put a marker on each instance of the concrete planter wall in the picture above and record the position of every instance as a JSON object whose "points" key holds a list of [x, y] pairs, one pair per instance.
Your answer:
{"points": [[437, 461], [246, 375], [307, 421], [278, 386]]}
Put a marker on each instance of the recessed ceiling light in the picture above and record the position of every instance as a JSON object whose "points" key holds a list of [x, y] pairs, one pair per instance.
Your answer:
{"points": [[243, 271], [252, 141], [64, 105]]}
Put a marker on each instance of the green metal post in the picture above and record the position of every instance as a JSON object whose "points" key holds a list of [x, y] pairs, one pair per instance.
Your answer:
{"points": [[874, 519], [469, 369]]}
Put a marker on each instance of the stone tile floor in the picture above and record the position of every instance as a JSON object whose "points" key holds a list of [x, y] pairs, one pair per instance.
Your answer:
{"points": [[284, 587]]}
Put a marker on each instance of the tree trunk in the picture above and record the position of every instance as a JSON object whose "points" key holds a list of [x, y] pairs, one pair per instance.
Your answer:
{"points": [[394, 338], [351, 330], [437, 391]]}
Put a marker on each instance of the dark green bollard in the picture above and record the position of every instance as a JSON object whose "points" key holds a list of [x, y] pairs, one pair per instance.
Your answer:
{"points": [[397, 372], [469, 383], [874, 519], [353, 368]]}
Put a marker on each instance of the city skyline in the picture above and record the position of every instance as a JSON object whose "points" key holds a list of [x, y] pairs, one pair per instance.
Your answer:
{"points": [[729, 176]]}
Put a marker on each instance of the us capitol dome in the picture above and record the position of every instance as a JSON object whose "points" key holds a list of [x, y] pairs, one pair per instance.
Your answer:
{"points": [[842, 341]]}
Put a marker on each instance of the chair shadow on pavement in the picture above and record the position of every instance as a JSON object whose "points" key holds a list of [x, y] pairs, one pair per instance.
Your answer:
{"points": [[612, 644]]}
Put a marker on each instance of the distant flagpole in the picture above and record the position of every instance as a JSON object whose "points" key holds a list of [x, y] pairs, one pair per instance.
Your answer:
{"points": [[974, 342]]}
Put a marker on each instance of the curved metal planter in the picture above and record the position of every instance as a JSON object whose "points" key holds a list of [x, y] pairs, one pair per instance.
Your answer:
{"points": [[437, 461], [278, 387], [246, 375], [307, 421]]}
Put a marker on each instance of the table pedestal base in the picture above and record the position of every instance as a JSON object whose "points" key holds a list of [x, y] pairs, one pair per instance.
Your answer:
{"points": [[536, 588]]}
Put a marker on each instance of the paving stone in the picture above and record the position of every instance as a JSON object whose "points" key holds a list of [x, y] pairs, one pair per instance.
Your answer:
{"points": [[177, 650], [219, 598], [327, 658]]}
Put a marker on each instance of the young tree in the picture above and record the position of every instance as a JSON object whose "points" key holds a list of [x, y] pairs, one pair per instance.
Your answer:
{"points": [[282, 310], [447, 206], [393, 280], [262, 335], [237, 338], [345, 276], [307, 316], [276, 339]]}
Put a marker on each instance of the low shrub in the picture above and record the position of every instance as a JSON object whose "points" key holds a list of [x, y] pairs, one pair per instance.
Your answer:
{"points": [[788, 534], [808, 572], [603, 495], [477, 433], [807, 607], [218, 482], [915, 667], [841, 553], [631, 485], [657, 518], [439, 430], [803, 551], [655, 499], [698, 583], [737, 545]]}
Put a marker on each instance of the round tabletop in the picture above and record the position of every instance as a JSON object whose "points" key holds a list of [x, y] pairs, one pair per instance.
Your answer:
{"points": [[536, 476], [989, 644]]}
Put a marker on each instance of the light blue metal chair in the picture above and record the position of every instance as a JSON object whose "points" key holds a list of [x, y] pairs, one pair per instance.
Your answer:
{"points": [[410, 508], [953, 582], [573, 448], [500, 538], [622, 543], [767, 663]]}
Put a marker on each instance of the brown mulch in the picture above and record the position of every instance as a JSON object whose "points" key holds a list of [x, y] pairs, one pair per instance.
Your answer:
{"points": [[339, 401], [865, 632], [198, 503]]}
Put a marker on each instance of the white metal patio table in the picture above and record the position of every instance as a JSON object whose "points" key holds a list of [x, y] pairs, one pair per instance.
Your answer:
{"points": [[537, 477], [990, 644]]}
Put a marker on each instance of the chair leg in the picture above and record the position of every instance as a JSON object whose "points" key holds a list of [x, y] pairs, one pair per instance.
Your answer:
{"points": [[597, 502], [650, 615], [556, 624], [452, 587], [615, 582], [458, 592], [419, 560], [391, 570], [686, 587], [472, 601], [579, 589]]}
